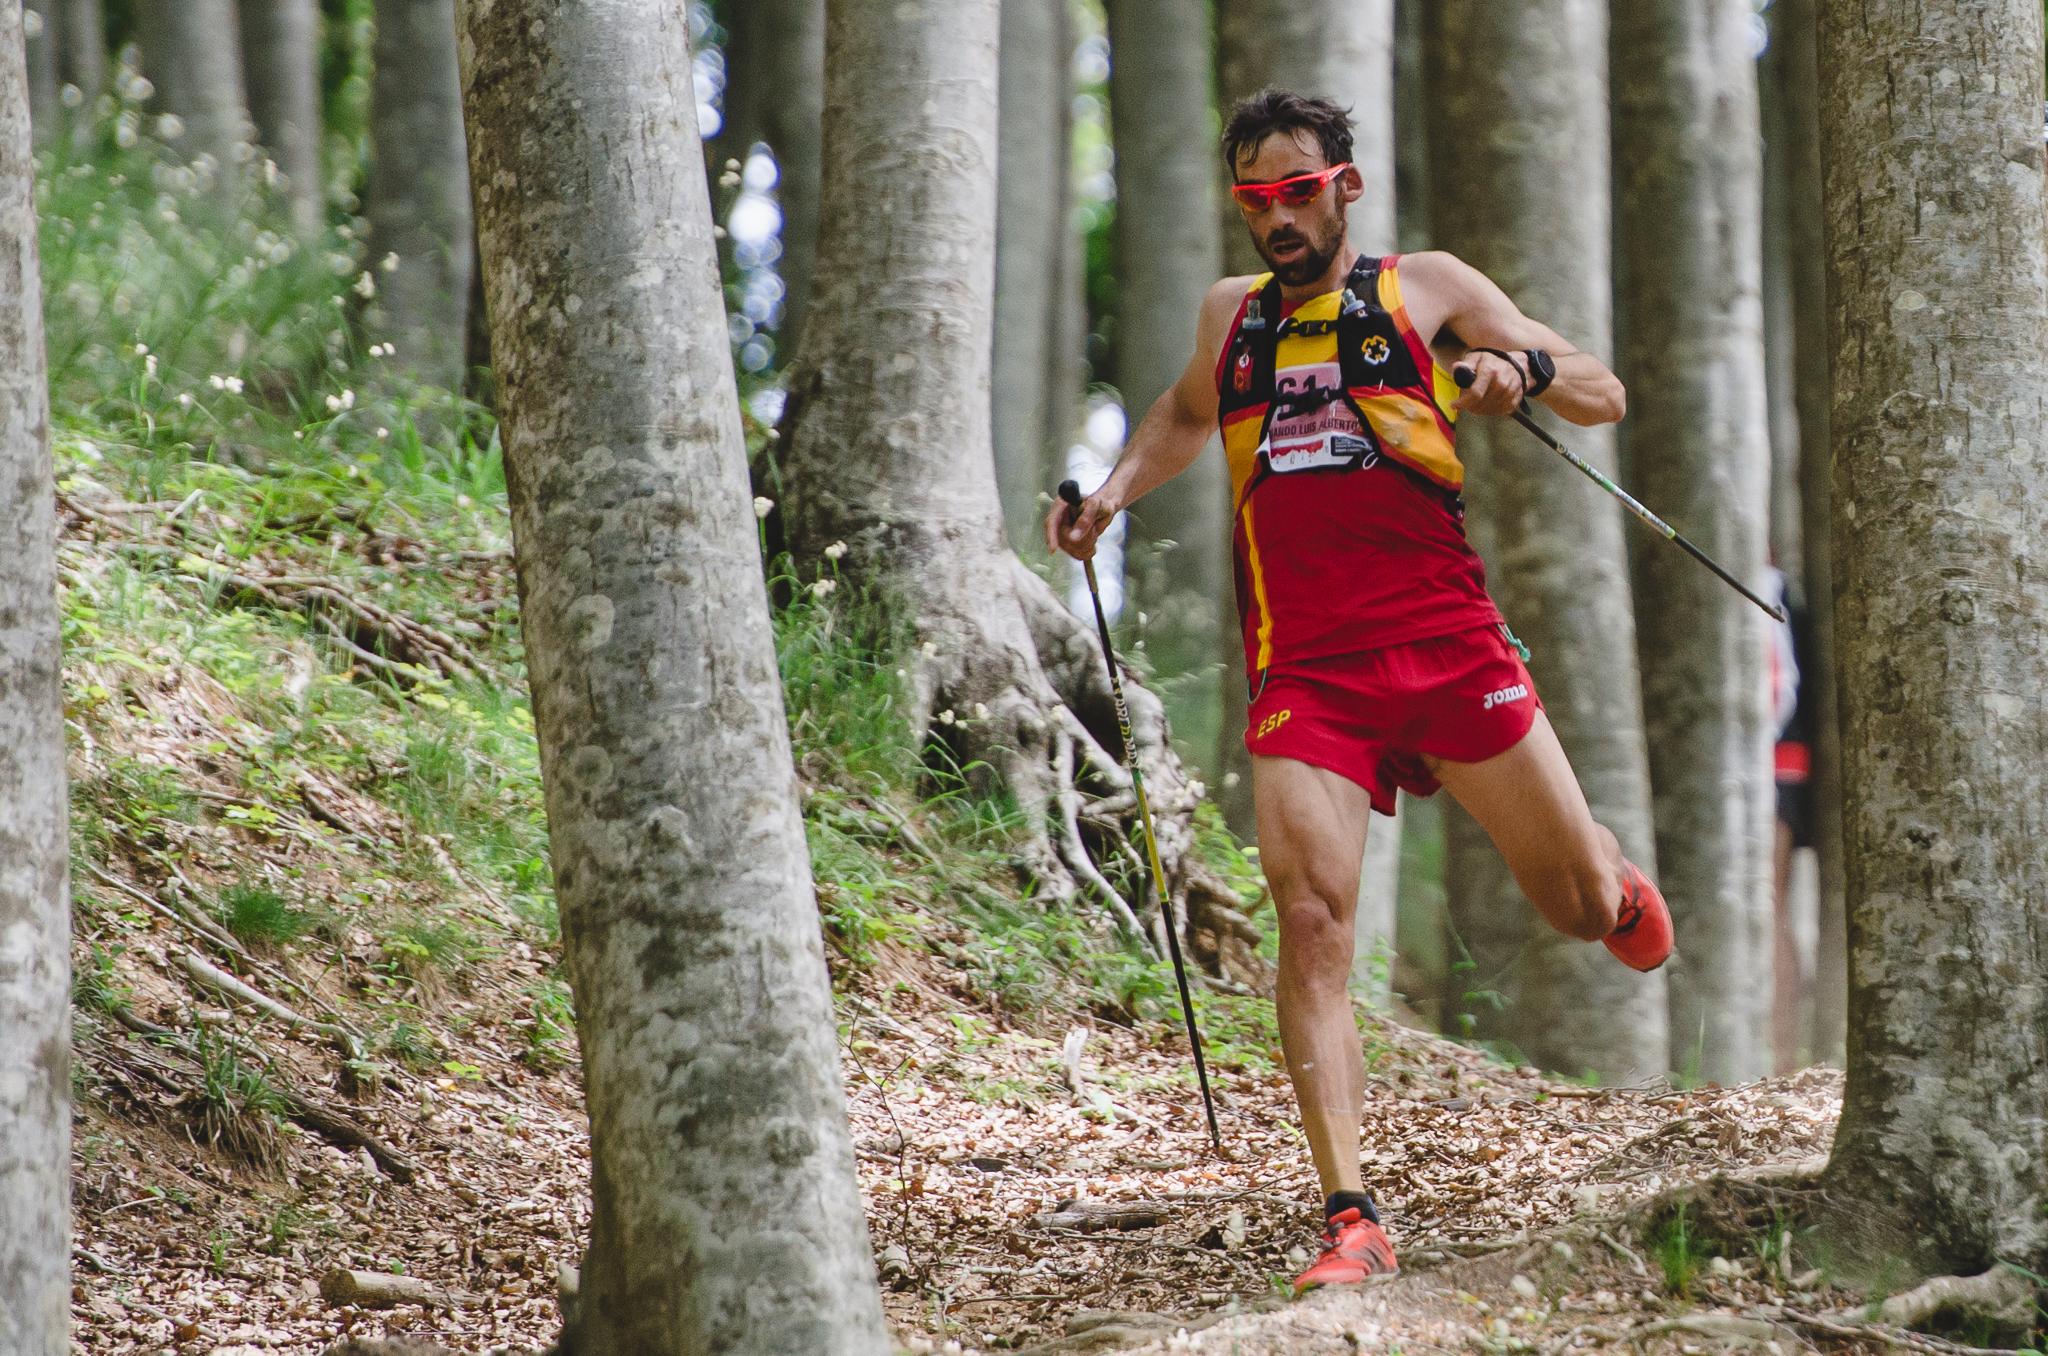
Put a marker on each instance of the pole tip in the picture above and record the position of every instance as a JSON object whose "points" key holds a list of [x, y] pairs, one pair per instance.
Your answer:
{"points": [[1463, 375], [1071, 492]]}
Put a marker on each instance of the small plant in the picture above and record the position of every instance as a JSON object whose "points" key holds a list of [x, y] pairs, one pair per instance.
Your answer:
{"points": [[551, 1030], [422, 945], [1680, 1251], [94, 986], [411, 1044], [238, 1108], [260, 916]]}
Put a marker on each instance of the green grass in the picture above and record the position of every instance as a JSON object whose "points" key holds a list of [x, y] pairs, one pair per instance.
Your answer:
{"points": [[260, 915]]}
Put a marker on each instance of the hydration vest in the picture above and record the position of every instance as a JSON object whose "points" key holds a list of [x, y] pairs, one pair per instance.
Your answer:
{"points": [[1388, 377]]}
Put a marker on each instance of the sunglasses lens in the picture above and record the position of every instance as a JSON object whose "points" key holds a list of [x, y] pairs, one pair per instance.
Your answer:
{"points": [[1300, 192], [1255, 197]]}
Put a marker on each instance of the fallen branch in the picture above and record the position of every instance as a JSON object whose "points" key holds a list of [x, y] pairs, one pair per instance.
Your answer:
{"points": [[220, 980], [381, 1290], [1089, 1217], [2000, 1294]]}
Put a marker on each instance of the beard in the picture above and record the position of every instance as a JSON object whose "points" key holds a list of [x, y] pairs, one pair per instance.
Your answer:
{"points": [[1305, 267]]}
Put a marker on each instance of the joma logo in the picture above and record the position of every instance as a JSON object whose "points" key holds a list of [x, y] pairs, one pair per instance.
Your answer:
{"points": [[1502, 696]]}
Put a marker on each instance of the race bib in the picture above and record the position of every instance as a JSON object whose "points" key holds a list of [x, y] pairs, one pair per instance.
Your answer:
{"points": [[1313, 426]]}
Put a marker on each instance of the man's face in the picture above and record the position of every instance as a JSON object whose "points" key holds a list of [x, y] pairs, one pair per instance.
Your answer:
{"points": [[1297, 243]]}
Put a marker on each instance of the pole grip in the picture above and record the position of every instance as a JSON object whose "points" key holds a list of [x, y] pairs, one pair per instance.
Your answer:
{"points": [[1071, 492], [1464, 376]]}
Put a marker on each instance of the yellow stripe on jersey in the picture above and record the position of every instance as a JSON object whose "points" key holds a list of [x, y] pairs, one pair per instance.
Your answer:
{"points": [[1258, 573]]}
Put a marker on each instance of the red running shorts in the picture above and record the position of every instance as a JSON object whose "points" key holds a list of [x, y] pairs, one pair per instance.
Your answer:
{"points": [[1372, 717]]}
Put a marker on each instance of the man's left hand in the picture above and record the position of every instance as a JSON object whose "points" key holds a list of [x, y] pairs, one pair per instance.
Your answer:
{"points": [[1497, 384]]}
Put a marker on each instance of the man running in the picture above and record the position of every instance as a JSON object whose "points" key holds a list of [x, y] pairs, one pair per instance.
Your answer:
{"points": [[1376, 660]]}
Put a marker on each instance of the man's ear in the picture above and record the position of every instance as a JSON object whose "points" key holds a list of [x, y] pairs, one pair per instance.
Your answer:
{"points": [[1352, 185]]}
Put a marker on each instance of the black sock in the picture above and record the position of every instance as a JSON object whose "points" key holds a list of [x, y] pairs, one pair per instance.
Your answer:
{"points": [[1340, 1201]]}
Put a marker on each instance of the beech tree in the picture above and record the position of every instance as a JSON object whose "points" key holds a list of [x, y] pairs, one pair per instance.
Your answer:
{"points": [[1688, 216], [725, 1212], [40, 38], [775, 93], [1799, 68], [1034, 223], [1938, 278], [1168, 253], [417, 193], [35, 913], [281, 62], [890, 452], [82, 52], [192, 53], [1532, 213]]}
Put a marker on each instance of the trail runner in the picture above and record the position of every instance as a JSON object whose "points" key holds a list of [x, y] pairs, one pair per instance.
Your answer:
{"points": [[1375, 658]]}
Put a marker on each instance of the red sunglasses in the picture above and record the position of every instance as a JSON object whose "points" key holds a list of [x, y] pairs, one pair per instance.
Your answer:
{"points": [[1299, 191]]}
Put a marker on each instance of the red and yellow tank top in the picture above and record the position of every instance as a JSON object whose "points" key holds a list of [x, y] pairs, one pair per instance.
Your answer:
{"points": [[1344, 469]]}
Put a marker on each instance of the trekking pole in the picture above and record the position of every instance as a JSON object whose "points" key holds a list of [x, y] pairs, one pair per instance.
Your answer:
{"points": [[1071, 492], [1464, 376]]}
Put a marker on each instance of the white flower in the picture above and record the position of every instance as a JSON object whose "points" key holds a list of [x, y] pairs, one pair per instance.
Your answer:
{"points": [[1197, 788], [946, 717], [141, 349], [980, 711], [389, 263], [149, 365], [823, 587], [365, 285], [463, 501], [170, 126], [383, 432], [184, 400], [762, 505], [334, 404], [732, 166], [71, 97], [718, 232], [835, 550]]}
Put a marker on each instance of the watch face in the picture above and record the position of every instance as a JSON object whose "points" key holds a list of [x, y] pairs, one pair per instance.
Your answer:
{"points": [[1541, 365]]}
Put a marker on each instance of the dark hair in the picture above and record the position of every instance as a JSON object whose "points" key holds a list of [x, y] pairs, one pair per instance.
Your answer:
{"points": [[1278, 110]]}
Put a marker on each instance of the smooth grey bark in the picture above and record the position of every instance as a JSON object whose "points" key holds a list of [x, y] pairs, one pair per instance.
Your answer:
{"points": [[1800, 72], [417, 193], [1340, 49], [82, 53], [1688, 218], [725, 1212], [1411, 128], [1168, 253], [192, 53], [1938, 275], [1530, 208], [775, 93], [41, 36], [1034, 173], [1372, 927], [1780, 345], [281, 61], [890, 452], [35, 914]]}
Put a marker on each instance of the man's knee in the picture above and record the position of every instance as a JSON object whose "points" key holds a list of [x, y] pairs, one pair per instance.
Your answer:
{"points": [[1315, 936]]}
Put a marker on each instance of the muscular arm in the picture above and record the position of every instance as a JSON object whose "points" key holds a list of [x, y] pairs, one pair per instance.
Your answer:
{"points": [[1166, 441], [1458, 308]]}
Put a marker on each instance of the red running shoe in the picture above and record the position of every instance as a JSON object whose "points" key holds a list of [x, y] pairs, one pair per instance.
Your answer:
{"points": [[1642, 934], [1353, 1248]]}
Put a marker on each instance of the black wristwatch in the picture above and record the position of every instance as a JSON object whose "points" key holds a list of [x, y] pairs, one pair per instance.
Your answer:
{"points": [[1542, 371]]}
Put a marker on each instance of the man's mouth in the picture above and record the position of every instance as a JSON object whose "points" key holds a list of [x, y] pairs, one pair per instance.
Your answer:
{"points": [[1288, 248]]}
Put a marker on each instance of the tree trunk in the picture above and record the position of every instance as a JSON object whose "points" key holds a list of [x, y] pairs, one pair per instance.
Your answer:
{"points": [[192, 53], [775, 93], [1812, 376], [1933, 200], [281, 53], [1373, 926], [1411, 128], [725, 1212], [41, 37], [1532, 212], [417, 195], [1034, 168], [1342, 49], [82, 54], [35, 914], [1688, 214], [1168, 254], [890, 452], [1780, 346]]}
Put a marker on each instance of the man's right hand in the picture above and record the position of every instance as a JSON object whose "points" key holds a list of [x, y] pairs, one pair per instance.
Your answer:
{"points": [[1075, 530]]}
